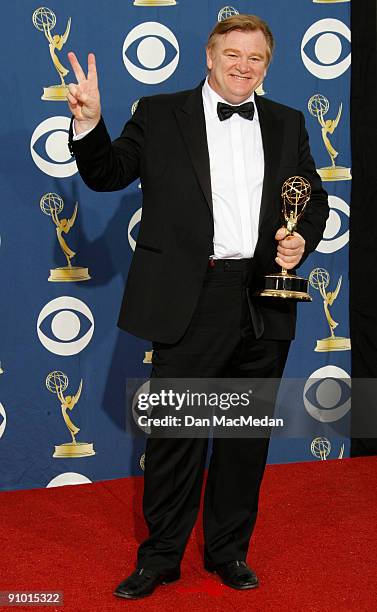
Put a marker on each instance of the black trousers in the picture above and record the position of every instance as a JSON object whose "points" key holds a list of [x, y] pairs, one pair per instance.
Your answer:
{"points": [[220, 342]]}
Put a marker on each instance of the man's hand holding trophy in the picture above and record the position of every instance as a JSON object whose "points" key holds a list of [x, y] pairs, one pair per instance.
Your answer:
{"points": [[295, 193]]}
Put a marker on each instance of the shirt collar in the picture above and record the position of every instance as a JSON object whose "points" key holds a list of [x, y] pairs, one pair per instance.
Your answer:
{"points": [[211, 98]]}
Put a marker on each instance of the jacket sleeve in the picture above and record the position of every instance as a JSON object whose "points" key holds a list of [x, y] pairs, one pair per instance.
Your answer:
{"points": [[313, 221], [109, 166]]}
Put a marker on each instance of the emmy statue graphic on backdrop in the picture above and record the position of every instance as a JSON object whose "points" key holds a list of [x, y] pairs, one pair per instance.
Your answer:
{"points": [[57, 383], [226, 12], [148, 357], [52, 204], [319, 279], [155, 3], [296, 193], [321, 448], [318, 106], [45, 20]]}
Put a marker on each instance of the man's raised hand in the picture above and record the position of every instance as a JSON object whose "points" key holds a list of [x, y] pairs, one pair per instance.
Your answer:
{"points": [[83, 97]]}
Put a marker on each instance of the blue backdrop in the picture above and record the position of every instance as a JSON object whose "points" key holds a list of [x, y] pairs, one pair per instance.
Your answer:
{"points": [[70, 327]]}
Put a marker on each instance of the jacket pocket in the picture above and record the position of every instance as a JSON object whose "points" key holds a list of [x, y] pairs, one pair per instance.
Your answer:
{"points": [[146, 247]]}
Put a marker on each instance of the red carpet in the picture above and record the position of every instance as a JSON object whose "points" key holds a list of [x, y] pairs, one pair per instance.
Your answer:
{"points": [[314, 549]]}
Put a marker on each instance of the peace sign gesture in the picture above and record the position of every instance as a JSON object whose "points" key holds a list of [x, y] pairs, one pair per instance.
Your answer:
{"points": [[83, 98]]}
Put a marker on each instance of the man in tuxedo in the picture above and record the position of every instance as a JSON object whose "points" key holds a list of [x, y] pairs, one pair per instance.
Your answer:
{"points": [[211, 162]]}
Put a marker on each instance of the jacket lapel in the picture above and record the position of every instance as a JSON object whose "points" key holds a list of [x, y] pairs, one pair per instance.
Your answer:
{"points": [[272, 133], [192, 124]]}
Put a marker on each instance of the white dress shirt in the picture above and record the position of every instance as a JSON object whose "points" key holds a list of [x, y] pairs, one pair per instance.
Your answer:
{"points": [[237, 169]]}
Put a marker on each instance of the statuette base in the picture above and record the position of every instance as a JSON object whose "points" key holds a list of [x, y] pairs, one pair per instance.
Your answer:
{"points": [[70, 449], [68, 274], [148, 357], [55, 93], [155, 3], [333, 343], [335, 173], [286, 286]]}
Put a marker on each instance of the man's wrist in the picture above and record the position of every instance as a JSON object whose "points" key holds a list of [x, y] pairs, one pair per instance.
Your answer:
{"points": [[81, 129]]}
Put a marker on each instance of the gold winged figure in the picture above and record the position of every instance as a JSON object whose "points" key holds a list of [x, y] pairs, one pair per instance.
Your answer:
{"points": [[328, 300], [63, 226], [57, 42], [68, 403], [51, 204], [328, 127]]}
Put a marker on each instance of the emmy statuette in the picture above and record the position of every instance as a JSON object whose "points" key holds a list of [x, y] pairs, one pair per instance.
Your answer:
{"points": [[57, 383], [319, 279], [44, 19], [318, 106], [52, 204], [296, 194]]}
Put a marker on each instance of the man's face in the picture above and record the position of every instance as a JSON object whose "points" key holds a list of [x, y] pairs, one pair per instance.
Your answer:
{"points": [[237, 63]]}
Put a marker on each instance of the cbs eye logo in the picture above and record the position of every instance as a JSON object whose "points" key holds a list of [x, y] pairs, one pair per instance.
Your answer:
{"points": [[60, 317], [332, 239], [3, 420], [68, 478], [327, 394], [157, 44], [135, 219], [60, 163], [326, 44], [136, 412]]}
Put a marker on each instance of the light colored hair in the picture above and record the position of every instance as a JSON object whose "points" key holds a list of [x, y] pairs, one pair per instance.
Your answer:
{"points": [[243, 23]]}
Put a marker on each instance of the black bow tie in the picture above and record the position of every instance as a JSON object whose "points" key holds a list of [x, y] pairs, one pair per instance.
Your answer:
{"points": [[225, 111]]}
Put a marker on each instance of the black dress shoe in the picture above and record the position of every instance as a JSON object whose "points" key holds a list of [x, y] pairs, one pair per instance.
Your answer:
{"points": [[143, 581], [235, 574]]}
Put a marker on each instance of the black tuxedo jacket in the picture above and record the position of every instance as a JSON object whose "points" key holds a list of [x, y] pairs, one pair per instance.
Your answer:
{"points": [[165, 144]]}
